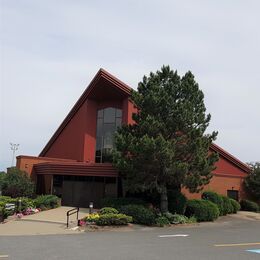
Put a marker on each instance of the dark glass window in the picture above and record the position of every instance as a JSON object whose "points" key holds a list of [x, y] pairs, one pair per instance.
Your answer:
{"points": [[108, 120]]}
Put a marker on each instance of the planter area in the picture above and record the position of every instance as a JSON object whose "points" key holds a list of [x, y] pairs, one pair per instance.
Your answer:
{"points": [[19, 207]]}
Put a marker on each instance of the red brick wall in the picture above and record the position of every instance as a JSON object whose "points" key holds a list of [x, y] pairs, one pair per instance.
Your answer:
{"points": [[227, 176]]}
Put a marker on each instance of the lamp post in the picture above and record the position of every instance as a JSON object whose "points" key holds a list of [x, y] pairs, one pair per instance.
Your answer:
{"points": [[14, 148], [90, 207]]}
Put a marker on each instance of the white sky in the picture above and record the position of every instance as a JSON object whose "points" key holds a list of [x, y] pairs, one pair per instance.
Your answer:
{"points": [[50, 50]]}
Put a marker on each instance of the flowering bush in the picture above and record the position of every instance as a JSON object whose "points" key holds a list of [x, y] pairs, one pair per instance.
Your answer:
{"points": [[19, 215], [30, 211], [91, 218], [82, 223]]}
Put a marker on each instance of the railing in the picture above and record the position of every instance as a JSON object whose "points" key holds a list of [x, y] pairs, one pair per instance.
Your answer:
{"points": [[71, 212]]}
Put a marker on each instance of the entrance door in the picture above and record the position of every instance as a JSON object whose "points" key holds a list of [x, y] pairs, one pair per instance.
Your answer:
{"points": [[233, 194], [81, 193]]}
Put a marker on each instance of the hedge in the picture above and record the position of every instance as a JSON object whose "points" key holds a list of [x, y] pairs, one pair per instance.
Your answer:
{"points": [[140, 214], [249, 205], [113, 219], [162, 221], [227, 206], [215, 198], [202, 210], [108, 210], [46, 202], [235, 205]]}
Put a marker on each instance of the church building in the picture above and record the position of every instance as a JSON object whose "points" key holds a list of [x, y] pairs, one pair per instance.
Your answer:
{"points": [[76, 162]]}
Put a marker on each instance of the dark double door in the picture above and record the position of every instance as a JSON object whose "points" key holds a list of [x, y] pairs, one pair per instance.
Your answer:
{"points": [[81, 193]]}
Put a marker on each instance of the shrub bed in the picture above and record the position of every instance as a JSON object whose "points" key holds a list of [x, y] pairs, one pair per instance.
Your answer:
{"points": [[119, 202], [249, 205], [177, 202], [162, 221], [91, 218], [108, 210], [46, 202], [202, 210], [140, 214], [179, 219], [227, 206], [111, 219], [215, 198], [235, 205]]}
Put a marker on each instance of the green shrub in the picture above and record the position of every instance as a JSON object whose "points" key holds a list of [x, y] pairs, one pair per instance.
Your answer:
{"points": [[113, 219], [202, 210], [249, 205], [2, 214], [227, 206], [93, 217], [169, 216], [235, 205], [179, 219], [108, 210], [215, 198], [177, 202], [140, 214], [17, 183], [118, 202], [25, 203], [162, 221], [46, 202]]}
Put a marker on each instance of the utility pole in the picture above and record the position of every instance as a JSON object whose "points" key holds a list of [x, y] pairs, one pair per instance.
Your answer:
{"points": [[14, 148]]}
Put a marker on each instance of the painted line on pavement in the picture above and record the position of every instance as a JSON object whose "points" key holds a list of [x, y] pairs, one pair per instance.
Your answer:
{"points": [[177, 235], [4, 256], [241, 244], [254, 251]]}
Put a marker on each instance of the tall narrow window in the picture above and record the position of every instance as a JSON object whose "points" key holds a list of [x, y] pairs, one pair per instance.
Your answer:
{"points": [[108, 120]]}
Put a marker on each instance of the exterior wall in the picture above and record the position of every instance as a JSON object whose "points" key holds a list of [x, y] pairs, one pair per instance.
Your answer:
{"points": [[220, 184], [26, 163], [78, 139], [227, 176], [128, 110], [90, 132], [70, 143]]}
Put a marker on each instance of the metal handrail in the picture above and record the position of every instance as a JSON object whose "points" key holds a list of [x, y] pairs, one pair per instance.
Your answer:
{"points": [[71, 212]]}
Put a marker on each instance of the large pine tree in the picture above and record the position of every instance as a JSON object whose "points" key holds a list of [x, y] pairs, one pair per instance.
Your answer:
{"points": [[167, 146]]}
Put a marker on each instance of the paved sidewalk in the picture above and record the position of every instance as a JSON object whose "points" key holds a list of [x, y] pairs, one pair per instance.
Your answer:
{"points": [[44, 223], [57, 215]]}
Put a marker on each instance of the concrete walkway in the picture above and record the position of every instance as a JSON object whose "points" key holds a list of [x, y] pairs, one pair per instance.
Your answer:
{"points": [[47, 222], [57, 215]]}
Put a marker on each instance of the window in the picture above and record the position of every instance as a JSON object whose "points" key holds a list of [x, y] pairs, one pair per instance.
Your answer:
{"points": [[108, 120]]}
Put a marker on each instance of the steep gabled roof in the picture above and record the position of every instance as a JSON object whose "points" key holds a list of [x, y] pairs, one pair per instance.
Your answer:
{"points": [[101, 74], [121, 86], [230, 157]]}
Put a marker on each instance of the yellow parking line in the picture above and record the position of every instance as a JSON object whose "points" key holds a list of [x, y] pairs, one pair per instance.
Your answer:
{"points": [[242, 244]]}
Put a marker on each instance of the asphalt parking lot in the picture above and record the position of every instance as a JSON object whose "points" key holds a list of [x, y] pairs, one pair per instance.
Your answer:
{"points": [[230, 238]]}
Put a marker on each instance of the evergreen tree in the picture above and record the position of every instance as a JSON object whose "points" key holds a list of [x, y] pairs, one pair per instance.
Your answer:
{"points": [[167, 146], [252, 182]]}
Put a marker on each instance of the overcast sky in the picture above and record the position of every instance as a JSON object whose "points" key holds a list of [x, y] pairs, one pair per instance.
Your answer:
{"points": [[50, 51]]}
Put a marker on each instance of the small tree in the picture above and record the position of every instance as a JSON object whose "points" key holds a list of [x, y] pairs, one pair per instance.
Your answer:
{"points": [[252, 182], [16, 183], [167, 146]]}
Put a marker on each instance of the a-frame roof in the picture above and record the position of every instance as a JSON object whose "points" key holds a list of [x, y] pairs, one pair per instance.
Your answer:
{"points": [[101, 76], [126, 90]]}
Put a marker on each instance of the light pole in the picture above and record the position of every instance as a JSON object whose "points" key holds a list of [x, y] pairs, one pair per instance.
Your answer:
{"points": [[14, 148]]}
